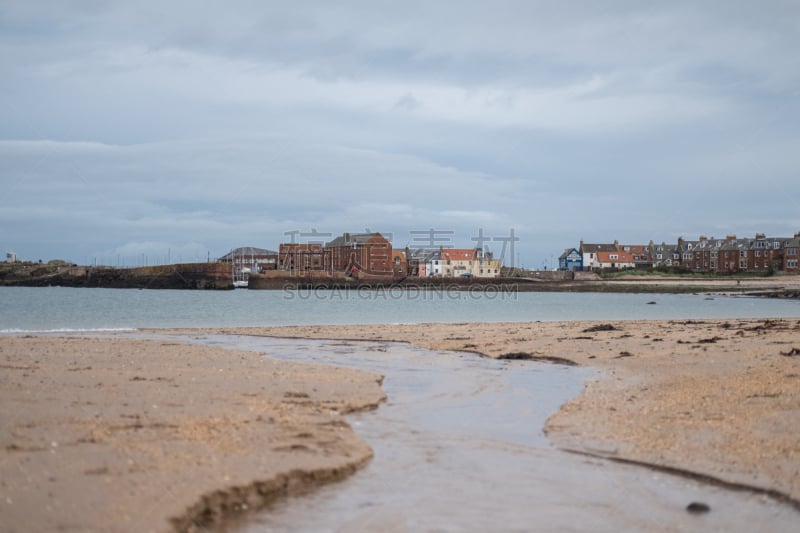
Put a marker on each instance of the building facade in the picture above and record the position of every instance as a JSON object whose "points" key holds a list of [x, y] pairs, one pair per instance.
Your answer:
{"points": [[250, 259], [570, 260], [299, 258], [757, 255], [364, 253], [791, 254]]}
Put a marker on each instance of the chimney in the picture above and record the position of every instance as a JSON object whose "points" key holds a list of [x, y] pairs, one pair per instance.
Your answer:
{"points": [[730, 237], [346, 237], [703, 238], [760, 236]]}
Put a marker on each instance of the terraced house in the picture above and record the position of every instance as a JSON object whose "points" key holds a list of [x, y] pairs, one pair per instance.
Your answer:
{"points": [[759, 254], [455, 262], [458, 262], [791, 250]]}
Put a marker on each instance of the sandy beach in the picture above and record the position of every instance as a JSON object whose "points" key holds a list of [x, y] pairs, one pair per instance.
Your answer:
{"points": [[134, 435]]}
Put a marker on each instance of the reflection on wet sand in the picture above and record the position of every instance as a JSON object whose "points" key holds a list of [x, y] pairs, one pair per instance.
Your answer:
{"points": [[459, 446]]}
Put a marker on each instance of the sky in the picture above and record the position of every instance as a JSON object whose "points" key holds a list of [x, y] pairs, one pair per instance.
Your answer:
{"points": [[153, 132]]}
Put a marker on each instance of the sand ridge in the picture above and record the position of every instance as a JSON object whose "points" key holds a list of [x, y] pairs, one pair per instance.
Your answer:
{"points": [[147, 435]]}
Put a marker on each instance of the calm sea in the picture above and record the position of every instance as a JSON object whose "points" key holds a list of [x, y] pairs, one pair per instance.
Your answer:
{"points": [[61, 308]]}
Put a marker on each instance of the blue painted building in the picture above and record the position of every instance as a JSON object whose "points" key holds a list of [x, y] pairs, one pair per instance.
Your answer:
{"points": [[570, 260]]}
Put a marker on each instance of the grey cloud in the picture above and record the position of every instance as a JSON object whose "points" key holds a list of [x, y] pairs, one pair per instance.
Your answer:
{"points": [[153, 125]]}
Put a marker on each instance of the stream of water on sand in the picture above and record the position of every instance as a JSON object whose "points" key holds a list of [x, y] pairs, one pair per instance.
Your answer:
{"points": [[459, 447]]}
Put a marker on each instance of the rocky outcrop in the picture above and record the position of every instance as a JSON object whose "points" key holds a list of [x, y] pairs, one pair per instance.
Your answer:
{"points": [[206, 276]]}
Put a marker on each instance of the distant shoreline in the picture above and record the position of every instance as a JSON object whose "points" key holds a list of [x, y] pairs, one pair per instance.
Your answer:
{"points": [[217, 276], [757, 287]]}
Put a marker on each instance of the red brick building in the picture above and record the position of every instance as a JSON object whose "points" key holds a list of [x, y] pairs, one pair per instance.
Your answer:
{"points": [[301, 258], [360, 253], [765, 254], [791, 254]]}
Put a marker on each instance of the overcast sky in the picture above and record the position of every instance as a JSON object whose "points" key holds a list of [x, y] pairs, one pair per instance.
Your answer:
{"points": [[179, 130]]}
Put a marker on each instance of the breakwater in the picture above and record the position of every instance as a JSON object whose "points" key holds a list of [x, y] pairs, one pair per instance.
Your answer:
{"points": [[204, 276]]}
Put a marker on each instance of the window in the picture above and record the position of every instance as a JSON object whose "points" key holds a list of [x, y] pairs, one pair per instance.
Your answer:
{"points": [[758, 253], [613, 256]]}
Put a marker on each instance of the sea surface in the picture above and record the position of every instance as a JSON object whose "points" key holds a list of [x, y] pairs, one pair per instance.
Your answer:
{"points": [[62, 308]]}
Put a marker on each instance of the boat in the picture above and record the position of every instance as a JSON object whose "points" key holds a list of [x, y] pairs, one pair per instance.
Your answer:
{"points": [[239, 274]]}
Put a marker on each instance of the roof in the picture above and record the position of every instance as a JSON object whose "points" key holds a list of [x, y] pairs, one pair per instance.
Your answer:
{"points": [[354, 238], [568, 251], [246, 251], [734, 244], [634, 248], [770, 242], [666, 248], [300, 247], [622, 257], [459, 254], [595, 248], [707, 244], [424, 255]]}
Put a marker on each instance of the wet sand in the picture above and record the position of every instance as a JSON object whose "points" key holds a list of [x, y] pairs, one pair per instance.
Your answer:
{"points": [[134, 435], [712, 398], [118, 434]]}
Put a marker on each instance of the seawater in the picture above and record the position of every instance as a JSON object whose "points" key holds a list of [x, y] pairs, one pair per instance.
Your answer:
{"points": [[459, 447], [61, 308]]}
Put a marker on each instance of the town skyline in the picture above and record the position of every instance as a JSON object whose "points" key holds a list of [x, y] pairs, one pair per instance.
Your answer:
{"points": [[678, 254]]}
